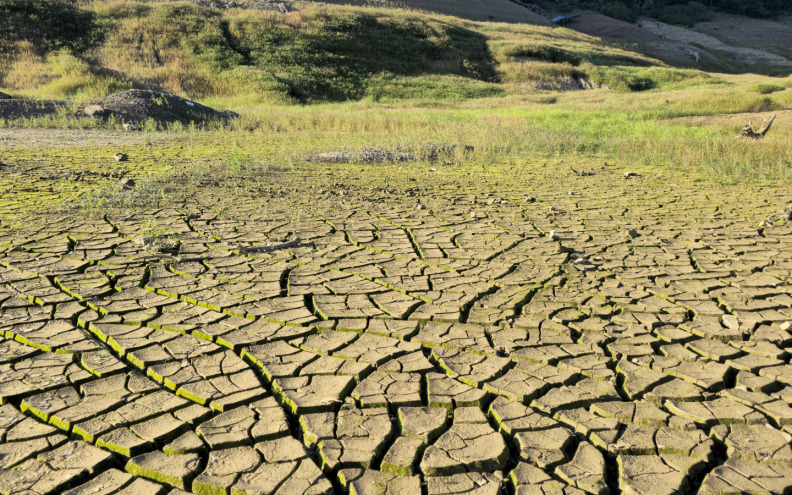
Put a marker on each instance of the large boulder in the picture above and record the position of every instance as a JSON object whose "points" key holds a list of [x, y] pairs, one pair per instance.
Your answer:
{"points": [[136, 105]]}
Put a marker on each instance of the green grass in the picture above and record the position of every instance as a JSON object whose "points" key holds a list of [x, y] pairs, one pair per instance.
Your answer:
{"points": [[331, 78], [766, 88]]}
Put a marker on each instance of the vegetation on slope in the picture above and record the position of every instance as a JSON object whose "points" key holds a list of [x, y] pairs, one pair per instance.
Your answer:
{"points": [[45, 25], [317, 53], [681, 12], [375, 78]]}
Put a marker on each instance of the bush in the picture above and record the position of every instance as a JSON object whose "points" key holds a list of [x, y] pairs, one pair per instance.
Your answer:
{"points": [[620, 78], [548, 53], [46, 24], [684, 15], [387, 88], [766, 88], [619, 10]]}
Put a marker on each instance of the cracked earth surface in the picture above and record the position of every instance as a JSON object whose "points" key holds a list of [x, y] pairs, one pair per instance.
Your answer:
{"points": [[524, 331]]}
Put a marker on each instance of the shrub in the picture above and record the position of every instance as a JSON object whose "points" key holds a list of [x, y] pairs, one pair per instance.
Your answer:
{"points": [[546, 52], [766, 88], [684, 15], [47, 24], [619, 10], [620, 78]]}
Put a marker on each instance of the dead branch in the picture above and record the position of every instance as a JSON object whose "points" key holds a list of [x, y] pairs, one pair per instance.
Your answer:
{"points": [[748, 132]]}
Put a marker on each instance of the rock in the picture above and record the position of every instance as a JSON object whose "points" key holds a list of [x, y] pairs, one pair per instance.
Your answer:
{"points": [[365, 156], [628, 175], [4, 96], [95, 111], [120, 157], [731, 322], [126, 184], [130, 127], [633, 233], [138, 106]]}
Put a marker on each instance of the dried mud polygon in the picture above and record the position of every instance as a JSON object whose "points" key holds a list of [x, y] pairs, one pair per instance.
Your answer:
{"points": [[481, 344]]}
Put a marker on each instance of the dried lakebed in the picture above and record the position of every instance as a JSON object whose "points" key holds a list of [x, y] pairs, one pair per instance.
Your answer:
{"points": [[520, 330]]}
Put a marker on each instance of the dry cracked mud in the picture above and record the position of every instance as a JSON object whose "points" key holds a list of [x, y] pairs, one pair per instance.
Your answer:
{"points": [[529, 331]]}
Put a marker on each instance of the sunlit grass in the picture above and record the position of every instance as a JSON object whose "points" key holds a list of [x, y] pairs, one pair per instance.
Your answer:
{"points": [[457, 82]]}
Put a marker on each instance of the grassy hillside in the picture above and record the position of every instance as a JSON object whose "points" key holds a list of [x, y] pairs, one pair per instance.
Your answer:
{"points": [[316, 53], [378, 78]]}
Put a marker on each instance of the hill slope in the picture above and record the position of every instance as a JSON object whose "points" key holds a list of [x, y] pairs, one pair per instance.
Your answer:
{"points": [[475, 10], [316, 52]]}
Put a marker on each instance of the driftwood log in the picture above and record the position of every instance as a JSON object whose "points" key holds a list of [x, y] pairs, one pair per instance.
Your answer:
{"points": [[748, 132]]}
